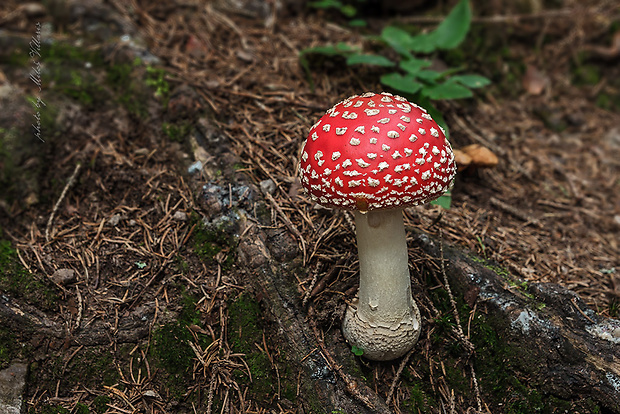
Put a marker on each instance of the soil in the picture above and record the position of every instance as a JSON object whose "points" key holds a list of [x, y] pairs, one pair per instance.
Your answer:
{"points": [[166, 136]]}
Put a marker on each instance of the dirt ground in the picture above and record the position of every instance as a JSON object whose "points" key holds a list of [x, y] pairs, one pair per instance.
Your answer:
{"points": [[121, 250]]}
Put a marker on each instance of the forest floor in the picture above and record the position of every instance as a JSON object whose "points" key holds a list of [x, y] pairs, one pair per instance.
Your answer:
{"points": [[168, 129]]}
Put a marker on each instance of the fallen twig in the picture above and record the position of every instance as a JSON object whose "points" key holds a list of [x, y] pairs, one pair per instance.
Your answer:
{"points": [[62, 196]]}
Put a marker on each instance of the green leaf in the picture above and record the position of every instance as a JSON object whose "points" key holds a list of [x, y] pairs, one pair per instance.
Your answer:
{"points": [[357, 351], [398, 39], [444, 201], [406, 84], [413, 66], [423, 43], [358, 23], [429, 75], [141, 265], [447, 90], [376, 60], [471, 81], [330, 50], [325, 4], [348, 10], [452, 31]]}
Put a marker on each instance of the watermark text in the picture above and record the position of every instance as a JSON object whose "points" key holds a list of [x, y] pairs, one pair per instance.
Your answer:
{"points": [[35, 77]]}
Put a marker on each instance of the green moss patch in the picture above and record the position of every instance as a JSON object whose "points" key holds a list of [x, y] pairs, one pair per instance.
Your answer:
{"points": [[16, 281], [214, 244], [245, 332], [171, 350]]}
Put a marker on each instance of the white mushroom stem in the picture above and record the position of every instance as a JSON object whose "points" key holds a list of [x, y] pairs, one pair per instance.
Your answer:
{"points": [[383, 322]]}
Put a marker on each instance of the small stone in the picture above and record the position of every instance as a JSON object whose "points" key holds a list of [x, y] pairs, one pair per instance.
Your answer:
{"points": [[12, 384], [31, 199], [114, 220], [151, 394], [6, 90], [195, 167], [63, 276], [132, 222], [268, 186], [180, 216], [616, 333]]}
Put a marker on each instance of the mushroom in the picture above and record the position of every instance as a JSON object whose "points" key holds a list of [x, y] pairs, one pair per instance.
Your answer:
{"points": [[376, 154]]}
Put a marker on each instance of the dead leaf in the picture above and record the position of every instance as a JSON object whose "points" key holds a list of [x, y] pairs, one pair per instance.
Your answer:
{"points": [[534, 81], [462, 160], [480, 156]]}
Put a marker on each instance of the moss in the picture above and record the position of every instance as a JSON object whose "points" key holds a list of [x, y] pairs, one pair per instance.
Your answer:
{"points": [[419, 400], [176, 132], [71, 71], [246, 330], [171, 350], [100, 404], [16, 281], [503, 369], [93, 366], [586, 74], [8, 348], [182, 265], [210, 241], [131, 94], [81, 409], [52, 409], [59, 53]]}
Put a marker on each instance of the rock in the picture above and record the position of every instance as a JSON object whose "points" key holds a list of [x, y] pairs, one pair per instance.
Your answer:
{"points": [[195, 167], [12, 385], [268, 186], [114, 220], [64, 276], [180, 216]]}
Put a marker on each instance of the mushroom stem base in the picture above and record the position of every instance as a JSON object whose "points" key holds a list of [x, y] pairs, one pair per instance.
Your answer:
{"points": [[380, 341]]}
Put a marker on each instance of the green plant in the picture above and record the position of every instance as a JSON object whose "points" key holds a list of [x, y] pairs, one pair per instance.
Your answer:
{"points": [[357, 351], [155, 78], [413, 76], [346, 9]]}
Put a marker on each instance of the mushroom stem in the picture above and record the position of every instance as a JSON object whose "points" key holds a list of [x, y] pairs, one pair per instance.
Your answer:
{"points": [[384, 321]]}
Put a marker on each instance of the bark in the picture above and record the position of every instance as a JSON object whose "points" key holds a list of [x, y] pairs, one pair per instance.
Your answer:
{"points": [[323, 387], [559, 345]]}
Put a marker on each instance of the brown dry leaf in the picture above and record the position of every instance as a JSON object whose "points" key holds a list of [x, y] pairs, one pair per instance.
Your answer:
{"points": [[534, 81], [481, 157], [462, 160]]}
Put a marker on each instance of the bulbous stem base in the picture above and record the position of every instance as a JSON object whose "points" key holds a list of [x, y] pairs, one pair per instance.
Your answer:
{"points": [[381, 341]]}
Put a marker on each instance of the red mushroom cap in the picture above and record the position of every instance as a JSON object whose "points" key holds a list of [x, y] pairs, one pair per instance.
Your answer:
{"points": [[376, 151]]}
